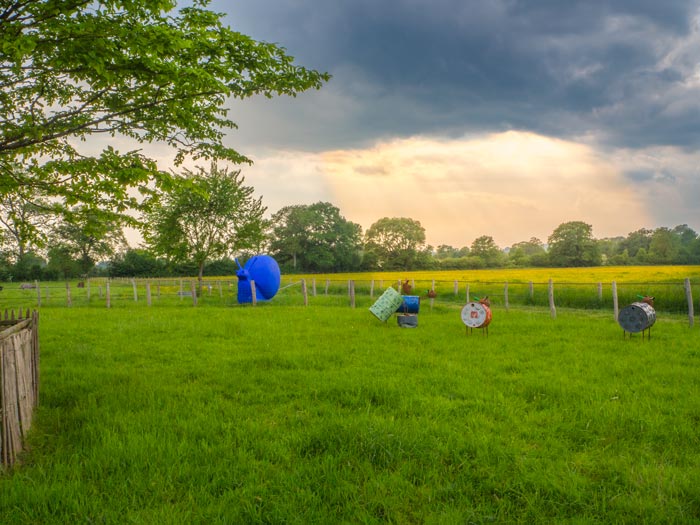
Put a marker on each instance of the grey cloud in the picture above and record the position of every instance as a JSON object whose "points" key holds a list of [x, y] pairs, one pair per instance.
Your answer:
{"points": [[617, 69]]}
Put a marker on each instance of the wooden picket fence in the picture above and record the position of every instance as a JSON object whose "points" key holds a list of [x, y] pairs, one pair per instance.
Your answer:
{"points": [[19, 380]]}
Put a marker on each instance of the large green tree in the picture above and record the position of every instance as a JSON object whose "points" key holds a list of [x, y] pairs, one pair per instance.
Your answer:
{"points": [[316, 238], [204, 216], [572, 244], [396, 243], [145, 71]]}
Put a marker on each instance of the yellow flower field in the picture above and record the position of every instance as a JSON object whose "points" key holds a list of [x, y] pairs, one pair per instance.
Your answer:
{"points": [[605, 274]]}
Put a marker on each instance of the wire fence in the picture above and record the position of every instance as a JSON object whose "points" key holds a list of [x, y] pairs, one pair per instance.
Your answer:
{"points": [[671, 297]]}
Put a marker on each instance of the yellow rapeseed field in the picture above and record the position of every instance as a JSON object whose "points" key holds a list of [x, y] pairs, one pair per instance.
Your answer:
{"points": [[605, 274]]}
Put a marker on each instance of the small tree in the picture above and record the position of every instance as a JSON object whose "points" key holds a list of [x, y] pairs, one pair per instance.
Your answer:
{"points": [[487, 250], [205, 216], [88, 234]]}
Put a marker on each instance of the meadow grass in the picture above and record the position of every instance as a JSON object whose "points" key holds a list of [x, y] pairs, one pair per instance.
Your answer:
{"points": [[292, 414]]}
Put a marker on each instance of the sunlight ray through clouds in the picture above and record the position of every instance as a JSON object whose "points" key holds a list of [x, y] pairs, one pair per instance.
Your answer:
{"points": [[511, 186]]}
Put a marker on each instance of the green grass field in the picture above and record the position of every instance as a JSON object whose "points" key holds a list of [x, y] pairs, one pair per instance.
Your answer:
{"points": [[320, 414]]}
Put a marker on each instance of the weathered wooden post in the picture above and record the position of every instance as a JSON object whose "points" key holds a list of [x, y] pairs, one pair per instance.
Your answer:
{"points": [[88, 290], [68, 297], [221, 292], [148, 293], [254, 294], [456, 288], [552, 308], [193, 289], [467, 297], [352, 293], [313, 287], [371, 289], [616, 308], [38, 293], [182, 290], [689, 298], [532, 291], [505, 294], [304, 292], [136, 294], [600, 291], [328, 283], [109, 299]]}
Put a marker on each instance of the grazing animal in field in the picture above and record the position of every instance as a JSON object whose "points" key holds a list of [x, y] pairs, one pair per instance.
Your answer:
{"points": [[432, 294], [81, 284], [406, 287], [27, 286]]}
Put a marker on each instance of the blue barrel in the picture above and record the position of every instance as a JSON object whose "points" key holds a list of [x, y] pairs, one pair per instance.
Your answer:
{"points": [[410, 305], [265, 271]]}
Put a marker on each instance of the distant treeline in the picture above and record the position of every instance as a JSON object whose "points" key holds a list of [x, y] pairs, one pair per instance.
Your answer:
{"points": [[336, 245]]}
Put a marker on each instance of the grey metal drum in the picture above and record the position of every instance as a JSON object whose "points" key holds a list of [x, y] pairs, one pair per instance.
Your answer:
{"points": [[637, 317]]}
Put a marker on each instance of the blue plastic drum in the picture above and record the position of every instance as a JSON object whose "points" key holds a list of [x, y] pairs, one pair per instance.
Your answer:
{"points": [[410, 305]]}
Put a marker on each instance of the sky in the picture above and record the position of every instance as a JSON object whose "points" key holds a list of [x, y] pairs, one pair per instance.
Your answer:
{"points": [[504, 118]]}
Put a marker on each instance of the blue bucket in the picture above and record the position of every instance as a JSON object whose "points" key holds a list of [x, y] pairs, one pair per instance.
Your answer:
{"points": [[410, 305]]}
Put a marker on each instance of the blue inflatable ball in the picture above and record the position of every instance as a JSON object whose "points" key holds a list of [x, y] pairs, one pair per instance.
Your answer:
{"points": [[265, 271]]}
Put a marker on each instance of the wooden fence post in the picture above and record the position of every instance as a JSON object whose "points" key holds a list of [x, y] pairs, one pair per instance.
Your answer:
{"points": [[88, 290], [456, 288], [600, 291], [532, 290], [313, 287], [352, 293], [38, 293], [505, 294], [467, 292], [398, 287], [371, 289], [107, 294], [254, 294], [133, 285], [304, 293], [616, 309], [221, 292], [148, 293], [68, 298], [193, 288], [182, 294], [328, 283], [552, 308], [689, 297]]}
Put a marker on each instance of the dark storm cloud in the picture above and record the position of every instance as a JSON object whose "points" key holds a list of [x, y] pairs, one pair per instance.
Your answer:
{"points": [[624, 71]]}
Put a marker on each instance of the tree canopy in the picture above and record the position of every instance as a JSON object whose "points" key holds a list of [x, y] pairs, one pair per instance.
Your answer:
{"points": [[315, 238], [75, 69], [572, 244], [205, 215], [394, 243]]}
